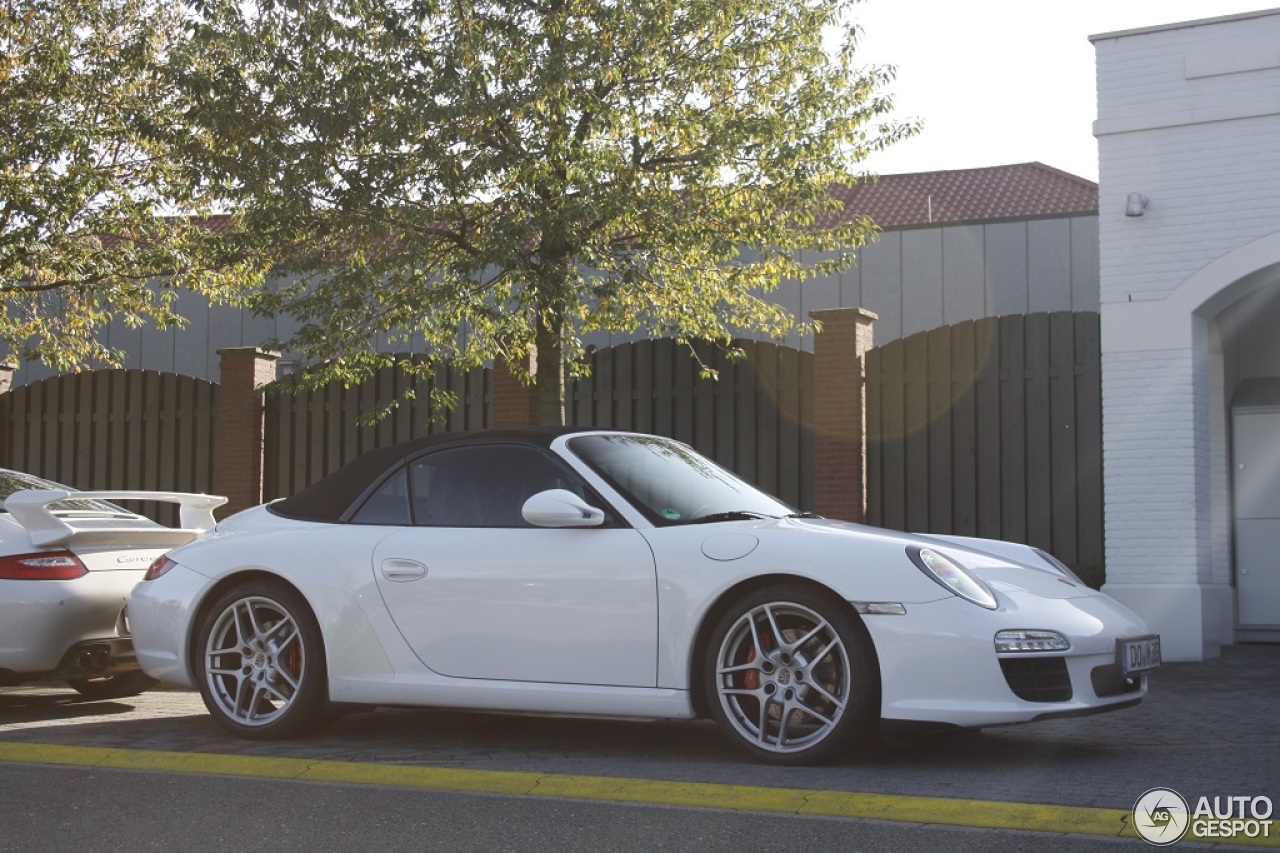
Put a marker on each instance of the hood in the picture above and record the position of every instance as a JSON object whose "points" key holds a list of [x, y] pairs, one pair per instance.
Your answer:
{"points": [[1009, 567]]}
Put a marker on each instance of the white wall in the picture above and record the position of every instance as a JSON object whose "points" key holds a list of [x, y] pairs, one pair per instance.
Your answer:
{"points": [[1189, 116]]}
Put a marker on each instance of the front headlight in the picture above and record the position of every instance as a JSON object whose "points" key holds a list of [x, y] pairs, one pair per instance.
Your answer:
{"points": [[953, 576]]}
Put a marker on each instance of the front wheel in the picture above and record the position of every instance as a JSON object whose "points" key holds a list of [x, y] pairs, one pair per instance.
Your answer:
{"points": [[791, 676], [260, 664]]}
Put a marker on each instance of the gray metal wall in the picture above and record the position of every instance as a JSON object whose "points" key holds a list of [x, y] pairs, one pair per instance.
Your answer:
{"points": [[915, 279], [921, 278]]}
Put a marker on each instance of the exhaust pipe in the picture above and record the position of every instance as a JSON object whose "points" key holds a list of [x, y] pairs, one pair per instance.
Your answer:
{"points": [[93, 659]]}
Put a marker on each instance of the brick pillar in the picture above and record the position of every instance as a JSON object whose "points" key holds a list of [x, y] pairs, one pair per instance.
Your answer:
{"points": [[237, 472], [512, 403], [839, 412]]}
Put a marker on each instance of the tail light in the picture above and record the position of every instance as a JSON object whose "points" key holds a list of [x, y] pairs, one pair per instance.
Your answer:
{"points": [[46, 566], [158, 568]]}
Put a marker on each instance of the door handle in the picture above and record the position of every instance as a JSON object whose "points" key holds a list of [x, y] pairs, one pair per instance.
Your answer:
{"points": [[400, 570]]}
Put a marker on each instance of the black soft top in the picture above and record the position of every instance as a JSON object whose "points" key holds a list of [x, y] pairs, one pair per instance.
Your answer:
{"points": [[329, 499]]}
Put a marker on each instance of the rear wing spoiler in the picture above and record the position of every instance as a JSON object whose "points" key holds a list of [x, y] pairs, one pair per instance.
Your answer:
{"points": [[30, 508]]}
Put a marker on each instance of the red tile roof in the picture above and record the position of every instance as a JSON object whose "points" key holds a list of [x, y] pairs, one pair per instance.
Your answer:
{"points": [[1020, 191]]}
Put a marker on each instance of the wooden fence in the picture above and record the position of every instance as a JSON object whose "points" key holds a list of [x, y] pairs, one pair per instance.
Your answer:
{"points": [[113, 429], [992, 428], [753, 419], [308, 434]]}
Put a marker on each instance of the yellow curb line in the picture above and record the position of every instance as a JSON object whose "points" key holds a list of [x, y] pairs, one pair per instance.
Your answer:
{"points": [[796, 801]]}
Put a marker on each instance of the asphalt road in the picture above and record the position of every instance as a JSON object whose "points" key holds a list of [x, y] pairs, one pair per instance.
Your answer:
{"points": [[48, 808], [384, 779]]}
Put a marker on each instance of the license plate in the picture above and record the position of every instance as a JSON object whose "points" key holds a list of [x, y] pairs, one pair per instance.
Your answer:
{"points": [[1139, 654]]}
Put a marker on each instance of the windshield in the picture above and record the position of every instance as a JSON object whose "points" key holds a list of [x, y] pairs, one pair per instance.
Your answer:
{"points": [[14, 481], [670, 482]]}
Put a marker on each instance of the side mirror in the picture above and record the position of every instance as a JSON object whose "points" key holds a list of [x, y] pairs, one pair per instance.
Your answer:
{"points": [[560, 508]]}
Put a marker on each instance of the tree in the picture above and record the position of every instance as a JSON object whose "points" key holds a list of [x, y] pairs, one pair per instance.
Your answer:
{"points": [[88, 173], [495, 178]]}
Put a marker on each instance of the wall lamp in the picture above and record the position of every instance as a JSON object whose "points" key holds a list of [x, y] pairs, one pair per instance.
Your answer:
{"points": [[1135, 205]]}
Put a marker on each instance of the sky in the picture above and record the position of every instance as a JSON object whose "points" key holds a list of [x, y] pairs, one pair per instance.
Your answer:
{"points": [[1004, 81]]}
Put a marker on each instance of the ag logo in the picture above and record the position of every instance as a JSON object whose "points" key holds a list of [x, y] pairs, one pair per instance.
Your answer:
{"points": [[1161, 816]]}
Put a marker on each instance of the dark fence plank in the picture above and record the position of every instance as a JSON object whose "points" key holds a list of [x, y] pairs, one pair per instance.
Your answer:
{"points": [[1089, 443], [603, 382], [82, 450], [893, 447], [964, 468], [726, 395], [1013, 433], [1039, 443], [644, 385], [685, 371], [990, 433], [746, 386], [704, 402], [936, 493], [874, 435], [789, 441], [766, 437], [1063, 430], [916, 431]]}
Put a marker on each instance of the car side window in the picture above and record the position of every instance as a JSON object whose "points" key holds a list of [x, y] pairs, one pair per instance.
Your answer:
{"points": [[388, 505], [483, 486]]}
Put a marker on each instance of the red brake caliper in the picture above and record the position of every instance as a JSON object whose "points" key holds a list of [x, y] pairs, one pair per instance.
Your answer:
{"points": [[751, 679], [293, 660]]}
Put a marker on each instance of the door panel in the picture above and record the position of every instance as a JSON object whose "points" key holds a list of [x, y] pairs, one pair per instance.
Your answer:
{"points": [[1258, 571], [1256, 448], [565, 606], [1256, 441]]}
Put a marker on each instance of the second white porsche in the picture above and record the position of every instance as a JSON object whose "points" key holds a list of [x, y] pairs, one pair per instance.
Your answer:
{"points": [[68, 561], [608, 573]]}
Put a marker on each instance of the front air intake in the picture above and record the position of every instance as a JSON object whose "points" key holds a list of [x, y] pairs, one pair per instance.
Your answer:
{"points": [[1038, 679]]}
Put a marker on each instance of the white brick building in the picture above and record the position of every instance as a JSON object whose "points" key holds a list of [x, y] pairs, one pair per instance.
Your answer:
{"points": [[1188, 135]]}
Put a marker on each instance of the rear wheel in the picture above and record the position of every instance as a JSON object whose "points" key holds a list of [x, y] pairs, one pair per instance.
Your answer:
{"points": [[260, 664], [116, 686], [791, 676]]}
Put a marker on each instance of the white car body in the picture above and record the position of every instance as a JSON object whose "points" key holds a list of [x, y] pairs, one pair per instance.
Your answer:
{"points": [[73, 628], [612, 620]]}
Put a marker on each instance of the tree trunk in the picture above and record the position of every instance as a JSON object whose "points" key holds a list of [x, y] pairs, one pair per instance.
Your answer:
{"points": [[548, 390]]}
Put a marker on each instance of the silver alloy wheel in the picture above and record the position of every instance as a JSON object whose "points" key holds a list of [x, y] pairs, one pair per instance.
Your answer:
{"points": [[783, 677], [254, 660]]}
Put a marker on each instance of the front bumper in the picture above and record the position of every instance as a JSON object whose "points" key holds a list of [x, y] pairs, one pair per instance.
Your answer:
{"points": [[938, 662], [160, 618]]}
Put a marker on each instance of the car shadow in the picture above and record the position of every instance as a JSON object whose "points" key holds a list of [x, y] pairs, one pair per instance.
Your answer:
{"points": [[1203, 721], [28, 707]]}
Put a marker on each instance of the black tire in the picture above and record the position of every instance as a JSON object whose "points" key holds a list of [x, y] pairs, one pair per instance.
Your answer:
{"points": [[116, 686], [791, 677], [260, 664]]}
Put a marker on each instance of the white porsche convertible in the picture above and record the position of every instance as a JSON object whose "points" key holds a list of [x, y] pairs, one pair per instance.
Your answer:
{"points": [[608, 573]]}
